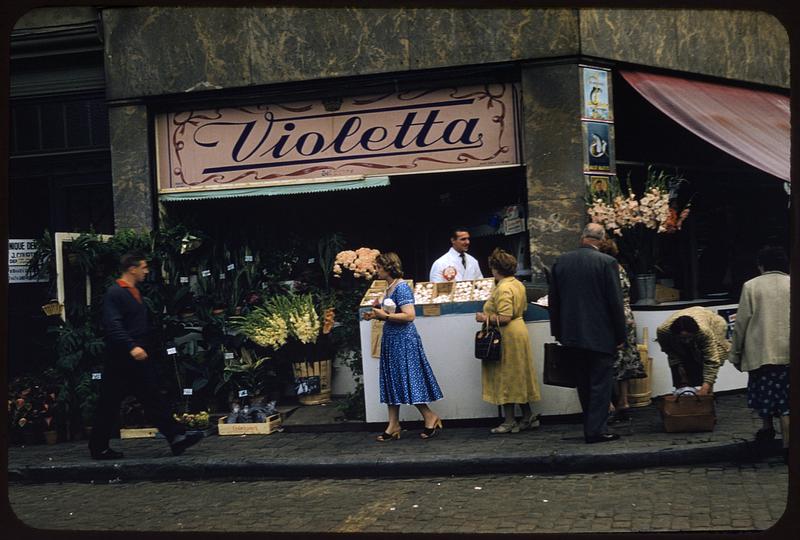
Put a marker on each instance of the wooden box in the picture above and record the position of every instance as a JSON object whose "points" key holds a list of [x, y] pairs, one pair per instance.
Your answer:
{"points": [[138, 433], [272, 425], [667, 294]]}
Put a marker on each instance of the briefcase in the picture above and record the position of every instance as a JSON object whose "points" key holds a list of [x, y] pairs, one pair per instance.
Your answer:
{"points": [[559, 369], [687, 412]]}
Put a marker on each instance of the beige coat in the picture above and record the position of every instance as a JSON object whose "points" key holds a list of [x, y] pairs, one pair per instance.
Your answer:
{"points": [[761, 333]]}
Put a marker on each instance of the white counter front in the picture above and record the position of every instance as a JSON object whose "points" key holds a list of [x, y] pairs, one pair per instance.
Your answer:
{"points": [[449, 341]]}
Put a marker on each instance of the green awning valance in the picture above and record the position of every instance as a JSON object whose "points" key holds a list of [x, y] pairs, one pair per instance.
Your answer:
{"points": [[295, 189]]}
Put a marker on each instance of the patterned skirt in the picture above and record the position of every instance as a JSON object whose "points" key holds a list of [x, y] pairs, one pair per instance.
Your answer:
{"points": [[405, 376], [768, 391]]}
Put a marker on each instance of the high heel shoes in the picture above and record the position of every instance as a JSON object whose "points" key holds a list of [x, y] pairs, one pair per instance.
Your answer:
{"points": [[386, 437], [429, 432]]}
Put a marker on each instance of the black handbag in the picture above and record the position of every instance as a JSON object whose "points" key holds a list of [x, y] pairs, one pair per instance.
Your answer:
{"points": [[488, 343], [559, 369]]}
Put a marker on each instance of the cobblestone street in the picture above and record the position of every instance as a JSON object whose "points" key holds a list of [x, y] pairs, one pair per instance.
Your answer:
{"points": [[721, 498]]}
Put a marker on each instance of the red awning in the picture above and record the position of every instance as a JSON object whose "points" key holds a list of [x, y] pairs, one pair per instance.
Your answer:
{"points": [[750, 125]]}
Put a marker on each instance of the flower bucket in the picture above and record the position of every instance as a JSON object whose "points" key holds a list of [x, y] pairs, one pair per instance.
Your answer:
{"points": [[646, 290], [322, 369]]}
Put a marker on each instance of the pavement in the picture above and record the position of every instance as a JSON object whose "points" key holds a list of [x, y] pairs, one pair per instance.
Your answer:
{"points": [[298, 451]]}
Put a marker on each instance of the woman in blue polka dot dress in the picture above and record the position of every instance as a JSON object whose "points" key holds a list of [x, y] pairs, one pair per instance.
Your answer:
{"points": [[405, 376]]}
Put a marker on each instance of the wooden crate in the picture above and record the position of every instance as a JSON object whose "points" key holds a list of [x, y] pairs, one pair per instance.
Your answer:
{"points": [[150, 432], [138, 433], [272, 425]]}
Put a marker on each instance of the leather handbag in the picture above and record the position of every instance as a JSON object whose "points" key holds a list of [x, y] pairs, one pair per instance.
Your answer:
{"points": [[488, 343], [687, 412], [559, 369]]}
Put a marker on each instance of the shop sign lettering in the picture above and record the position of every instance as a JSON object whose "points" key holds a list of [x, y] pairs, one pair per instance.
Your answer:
{"points": [[20, 252], [374, 135]]}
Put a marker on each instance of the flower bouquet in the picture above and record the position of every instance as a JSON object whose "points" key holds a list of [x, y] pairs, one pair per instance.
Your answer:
{"points": [[635, 222], [264, 327], [299, 314], [360, 262]]}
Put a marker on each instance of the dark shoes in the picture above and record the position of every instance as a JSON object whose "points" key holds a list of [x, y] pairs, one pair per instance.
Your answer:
{"points": [[605, 437], [106, 454], [184, 441], [765, 435]]}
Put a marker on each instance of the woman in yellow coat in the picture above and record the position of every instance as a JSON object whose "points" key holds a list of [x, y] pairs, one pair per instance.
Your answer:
{"points": [[511, 380]]}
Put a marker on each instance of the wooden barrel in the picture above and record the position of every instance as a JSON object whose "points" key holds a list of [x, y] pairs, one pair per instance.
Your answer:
{"points": [[323, 369], [640, 390]]}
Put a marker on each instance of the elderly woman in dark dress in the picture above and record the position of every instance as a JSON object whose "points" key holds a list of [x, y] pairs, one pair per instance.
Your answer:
{"points": [[627, 365]]}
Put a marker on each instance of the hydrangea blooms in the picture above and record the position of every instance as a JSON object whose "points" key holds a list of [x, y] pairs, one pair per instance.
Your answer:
{"points": [[361, 262]]}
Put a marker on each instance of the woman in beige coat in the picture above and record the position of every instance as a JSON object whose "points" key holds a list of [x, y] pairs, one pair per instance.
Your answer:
{"points": [[761, 342], [511, 380]]}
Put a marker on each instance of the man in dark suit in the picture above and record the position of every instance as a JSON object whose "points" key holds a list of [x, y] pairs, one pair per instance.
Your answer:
{"points": [[587, 317], [129, 368]]}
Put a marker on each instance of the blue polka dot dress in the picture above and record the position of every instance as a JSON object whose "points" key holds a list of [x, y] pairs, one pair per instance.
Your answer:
{"points": [[406, 376]]}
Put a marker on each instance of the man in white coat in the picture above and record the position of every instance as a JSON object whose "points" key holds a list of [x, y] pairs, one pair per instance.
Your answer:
{"points": [[456, 264]]}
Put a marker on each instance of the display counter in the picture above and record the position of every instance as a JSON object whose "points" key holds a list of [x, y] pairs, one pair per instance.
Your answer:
{"points": [[449, 340]]}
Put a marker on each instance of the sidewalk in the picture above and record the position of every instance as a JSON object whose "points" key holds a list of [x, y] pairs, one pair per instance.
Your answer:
{"points": [[553, 448]]}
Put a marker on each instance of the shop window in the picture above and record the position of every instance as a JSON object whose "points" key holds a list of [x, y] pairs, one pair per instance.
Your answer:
{"points": [[48, 126]]}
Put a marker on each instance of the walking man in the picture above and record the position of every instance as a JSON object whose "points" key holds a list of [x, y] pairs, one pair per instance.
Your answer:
{"points": [[587, 317], [129, 368]]}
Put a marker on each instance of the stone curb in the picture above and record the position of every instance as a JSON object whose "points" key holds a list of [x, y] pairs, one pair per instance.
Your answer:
{"points": [[170, 469]]}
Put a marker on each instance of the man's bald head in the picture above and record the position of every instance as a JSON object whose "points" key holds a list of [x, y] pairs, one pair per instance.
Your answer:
{"points": [[593, 234]]}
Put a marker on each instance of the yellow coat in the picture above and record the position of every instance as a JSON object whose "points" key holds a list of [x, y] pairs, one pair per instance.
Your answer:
{"points": [[513, 378]]}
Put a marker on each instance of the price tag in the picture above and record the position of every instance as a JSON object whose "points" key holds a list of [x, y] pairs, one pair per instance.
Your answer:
{"points": [[222, 276], [242, 393], [172, 350], [206, 273], [228, 356], [248, 258], [187, 391], [184, 279], [312, 260], [231, 266], [97, 376]]}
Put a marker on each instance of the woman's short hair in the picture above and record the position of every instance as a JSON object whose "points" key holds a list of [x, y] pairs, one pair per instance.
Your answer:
{"points": [[684, 323], [391, 263], [609, 247], [503, 261], [772, 258]]}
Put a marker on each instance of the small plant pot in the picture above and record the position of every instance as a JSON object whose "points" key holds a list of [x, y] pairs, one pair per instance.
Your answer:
{"points": [[51, 436]]}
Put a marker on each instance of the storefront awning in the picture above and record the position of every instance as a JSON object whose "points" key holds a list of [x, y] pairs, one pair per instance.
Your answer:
{"points": [[294, 189], [750, 125]]}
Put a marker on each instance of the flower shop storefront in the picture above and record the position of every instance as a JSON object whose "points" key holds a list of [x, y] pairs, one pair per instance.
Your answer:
{"points": [[266, 196]]}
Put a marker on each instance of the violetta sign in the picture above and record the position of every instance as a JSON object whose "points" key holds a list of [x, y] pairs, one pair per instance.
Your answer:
{"points": [[415, 132]]}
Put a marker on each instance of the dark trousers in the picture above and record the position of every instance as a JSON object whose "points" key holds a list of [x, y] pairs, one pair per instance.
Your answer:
{"points": [[595, 379], [124, 376]]}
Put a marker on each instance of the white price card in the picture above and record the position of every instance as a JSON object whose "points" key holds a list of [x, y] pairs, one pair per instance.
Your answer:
{"points": [[228, 356], [248, 258], [205, 273], [184, 279], [172, 350], [222, 276], [312, 260], [187, 391], [231, 266], [242, 393], [97, 376]]}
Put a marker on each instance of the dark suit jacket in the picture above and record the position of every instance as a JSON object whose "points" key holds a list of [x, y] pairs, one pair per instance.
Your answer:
{"points": [[585, 301]]}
